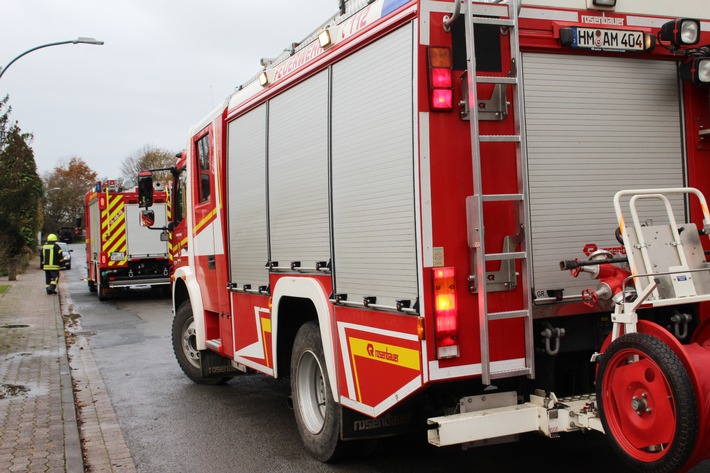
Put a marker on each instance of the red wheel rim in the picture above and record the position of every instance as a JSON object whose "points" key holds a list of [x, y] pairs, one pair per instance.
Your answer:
{"points": [[639, 405]]}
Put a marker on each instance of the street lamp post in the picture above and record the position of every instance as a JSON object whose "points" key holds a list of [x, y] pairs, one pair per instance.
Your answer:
{"points": [[79, 40]]}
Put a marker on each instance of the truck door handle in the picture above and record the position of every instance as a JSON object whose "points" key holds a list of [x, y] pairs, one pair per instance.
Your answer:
{"points": [[210, 262]]}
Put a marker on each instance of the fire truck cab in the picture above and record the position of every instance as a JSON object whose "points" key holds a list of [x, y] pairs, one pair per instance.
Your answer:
{"points": [[383, 213]]}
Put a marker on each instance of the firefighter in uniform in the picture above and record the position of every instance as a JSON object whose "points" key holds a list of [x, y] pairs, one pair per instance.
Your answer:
{"points": [[50, 258]]}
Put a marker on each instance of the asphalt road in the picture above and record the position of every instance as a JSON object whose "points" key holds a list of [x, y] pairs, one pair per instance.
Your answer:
{"points": [[173, 425]]}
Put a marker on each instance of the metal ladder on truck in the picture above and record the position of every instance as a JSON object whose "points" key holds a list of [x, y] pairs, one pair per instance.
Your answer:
{"points": [[475, 203]]}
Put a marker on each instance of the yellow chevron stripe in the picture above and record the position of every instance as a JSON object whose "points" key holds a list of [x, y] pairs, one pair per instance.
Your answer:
{"points": [[111, 238], [112, 206], [119, 246], [105, 212], [119, 232], [119, 222]]}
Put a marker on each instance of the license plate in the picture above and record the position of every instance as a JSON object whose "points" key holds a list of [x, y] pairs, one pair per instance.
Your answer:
{"points": [[117, 256], [608, 40]]}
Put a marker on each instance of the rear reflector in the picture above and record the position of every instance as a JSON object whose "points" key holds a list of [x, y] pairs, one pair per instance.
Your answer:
{"points": [[441, 92], [446, 313]]}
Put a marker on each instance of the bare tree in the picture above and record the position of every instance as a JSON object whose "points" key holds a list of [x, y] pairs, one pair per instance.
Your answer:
{"points": [[148, 157]]}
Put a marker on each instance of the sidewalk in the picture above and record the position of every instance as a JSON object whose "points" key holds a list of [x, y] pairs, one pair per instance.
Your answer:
{"points": [[38, 424], [40, 430]]}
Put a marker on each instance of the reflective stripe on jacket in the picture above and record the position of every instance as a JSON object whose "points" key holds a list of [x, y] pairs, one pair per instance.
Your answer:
{"points": [[51, 256]]}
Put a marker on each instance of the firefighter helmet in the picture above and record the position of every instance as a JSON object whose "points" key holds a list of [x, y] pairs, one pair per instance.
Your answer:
{"points": [[52, 237]]}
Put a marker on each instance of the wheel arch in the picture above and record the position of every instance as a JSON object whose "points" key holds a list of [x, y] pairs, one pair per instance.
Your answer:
{"points": [[187, 289], [295, 302]]}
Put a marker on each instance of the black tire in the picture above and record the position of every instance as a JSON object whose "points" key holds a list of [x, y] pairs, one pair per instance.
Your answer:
{"points": [[317, 414], [90, 282], [69, 266], [101, 289], [185, 346], [645, 395]]}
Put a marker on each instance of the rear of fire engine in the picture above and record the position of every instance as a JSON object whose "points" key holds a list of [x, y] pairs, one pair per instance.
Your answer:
{"points": [[380, 215], [121, 251]]}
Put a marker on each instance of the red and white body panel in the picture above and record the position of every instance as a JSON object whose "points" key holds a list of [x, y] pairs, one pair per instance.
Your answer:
{"points": [[334, 190]]}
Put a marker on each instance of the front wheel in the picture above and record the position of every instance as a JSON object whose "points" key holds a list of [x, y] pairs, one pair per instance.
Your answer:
{"points": [[646, 403], [317, 413], [185, 346]]}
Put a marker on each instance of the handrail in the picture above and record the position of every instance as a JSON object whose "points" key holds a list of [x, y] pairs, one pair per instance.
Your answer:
{"points": [[450, 20]]}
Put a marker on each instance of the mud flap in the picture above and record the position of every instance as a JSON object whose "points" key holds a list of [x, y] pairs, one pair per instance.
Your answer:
{"points": [[216, 366], [397, 421]]}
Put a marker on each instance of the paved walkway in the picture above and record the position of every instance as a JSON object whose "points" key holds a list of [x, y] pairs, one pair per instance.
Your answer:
{"points": [[39, 431]]}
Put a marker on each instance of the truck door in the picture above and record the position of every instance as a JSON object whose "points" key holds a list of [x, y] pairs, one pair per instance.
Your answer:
{"points": [[204, 208]]}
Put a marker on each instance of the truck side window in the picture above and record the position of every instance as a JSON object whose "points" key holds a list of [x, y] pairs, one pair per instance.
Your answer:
{"points": [[203, 167], [180, 197]]}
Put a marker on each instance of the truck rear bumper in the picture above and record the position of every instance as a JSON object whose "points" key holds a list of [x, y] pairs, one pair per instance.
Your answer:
{"points": [[139, 282]]}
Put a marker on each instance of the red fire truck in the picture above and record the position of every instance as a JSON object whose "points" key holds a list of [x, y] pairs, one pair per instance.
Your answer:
{"points": [[381, 213], [120, 250]]}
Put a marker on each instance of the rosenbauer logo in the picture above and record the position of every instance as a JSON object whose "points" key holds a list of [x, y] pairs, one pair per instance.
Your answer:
{"points": [[382, 355], [602, 20], [385, 353], [590, 248]]}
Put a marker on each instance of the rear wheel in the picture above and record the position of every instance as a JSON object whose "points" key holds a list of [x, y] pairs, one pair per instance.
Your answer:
{"points": [[646, 403], [90, 282], [185, 346], [101, 289], [317, 413]]}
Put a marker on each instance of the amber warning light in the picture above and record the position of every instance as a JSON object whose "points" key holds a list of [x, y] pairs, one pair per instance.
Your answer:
{"points": [[446, 313], [441, 91]]}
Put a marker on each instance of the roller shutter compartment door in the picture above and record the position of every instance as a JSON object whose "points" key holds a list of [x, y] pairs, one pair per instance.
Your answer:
{"points": [[595, 125]]}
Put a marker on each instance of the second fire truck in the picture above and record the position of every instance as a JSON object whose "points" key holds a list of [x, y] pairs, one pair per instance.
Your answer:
{"points": [[380, 215], [120, 250]]}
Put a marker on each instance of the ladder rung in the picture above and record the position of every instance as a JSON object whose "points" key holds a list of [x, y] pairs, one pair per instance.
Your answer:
{"points": [[499, 138], [496, 80], [505, 256], [501, 197], [509, 373], [479, 20], [215, 344], [510, 314]]}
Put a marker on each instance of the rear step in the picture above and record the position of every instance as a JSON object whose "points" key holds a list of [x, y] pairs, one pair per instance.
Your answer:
{"points": [[546, 415]]}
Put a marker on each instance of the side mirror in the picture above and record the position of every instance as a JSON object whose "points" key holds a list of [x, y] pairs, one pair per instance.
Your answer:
{"points": [[145, 189], [164, 236], [147, 218]]}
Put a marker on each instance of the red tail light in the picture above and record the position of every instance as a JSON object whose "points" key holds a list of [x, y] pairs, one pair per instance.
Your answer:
{"points": [[441, 92], [446, 313]]}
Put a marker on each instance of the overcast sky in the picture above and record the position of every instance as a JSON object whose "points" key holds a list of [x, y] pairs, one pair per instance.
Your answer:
{"points": [[165, 64]]}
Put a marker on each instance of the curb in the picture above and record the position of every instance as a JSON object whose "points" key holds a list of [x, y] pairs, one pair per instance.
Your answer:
{"points": [[72, 442]]}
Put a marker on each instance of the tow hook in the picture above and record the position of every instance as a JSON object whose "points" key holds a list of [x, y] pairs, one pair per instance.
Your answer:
{"points": [[552, 337], [680, 325]]}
